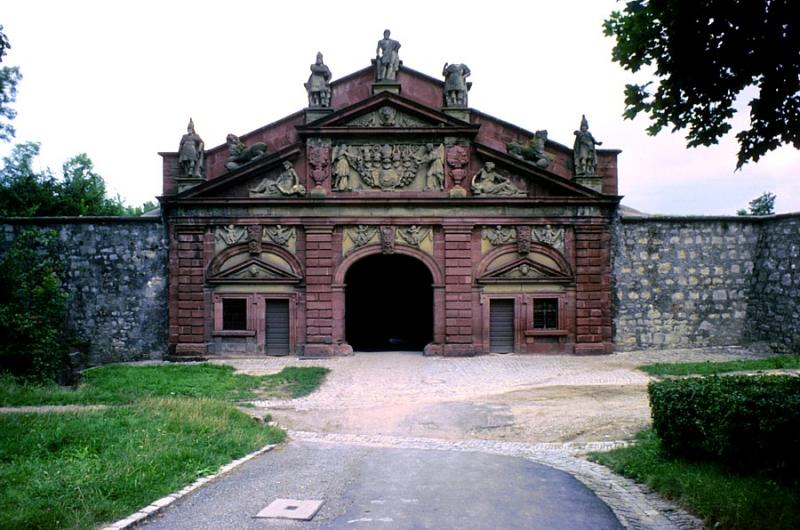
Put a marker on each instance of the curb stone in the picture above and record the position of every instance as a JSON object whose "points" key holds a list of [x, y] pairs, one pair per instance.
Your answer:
{"points": [[636, 507], [159, 505]]}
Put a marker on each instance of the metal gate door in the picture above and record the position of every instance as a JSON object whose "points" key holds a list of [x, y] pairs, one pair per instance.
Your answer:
{"points": [[501, 326], [277, 321]]}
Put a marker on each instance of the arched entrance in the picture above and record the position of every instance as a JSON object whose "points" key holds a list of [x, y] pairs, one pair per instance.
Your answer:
{"points": [[388, 304]]}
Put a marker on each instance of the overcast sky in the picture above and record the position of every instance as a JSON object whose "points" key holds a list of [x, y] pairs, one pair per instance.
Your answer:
{"points": [[119, 81]]}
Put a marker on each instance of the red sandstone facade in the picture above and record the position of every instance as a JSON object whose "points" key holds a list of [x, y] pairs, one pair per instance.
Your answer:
{"points": [[390, 265]]}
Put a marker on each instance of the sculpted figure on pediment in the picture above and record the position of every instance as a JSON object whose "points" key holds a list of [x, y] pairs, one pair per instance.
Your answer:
{"points": [[386, 116], [533, 151], [381, 166], [287, 183], [240, 154], [387, 60], [341, 169], [584, 151], [455, 84], [434, 157], [488, 181], [191, 157], [318, 85]]}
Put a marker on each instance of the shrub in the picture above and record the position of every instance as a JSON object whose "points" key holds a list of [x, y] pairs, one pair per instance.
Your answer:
{"points": [[34, 338], [749, 424]]}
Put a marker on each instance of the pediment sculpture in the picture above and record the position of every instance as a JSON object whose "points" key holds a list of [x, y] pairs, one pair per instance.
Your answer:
{"points": [[584, 151], [385, 167], [488, 182], [191, 156], [532, 151], [240, 154], [387, 116], [286, 184]]}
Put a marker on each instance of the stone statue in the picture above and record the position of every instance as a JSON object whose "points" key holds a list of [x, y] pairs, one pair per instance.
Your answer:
{"points": [[341, 169], [287, 183], [533, 151], [191, 156], [240, 154], [584, 153], [455, 84], [434, 157], [487, 181], [387, 60], [318, 86]]}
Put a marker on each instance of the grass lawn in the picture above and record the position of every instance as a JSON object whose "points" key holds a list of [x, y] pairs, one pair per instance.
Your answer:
{"points": [[708, 368], [724, 500], [76, 470], [169, 425], [120, 384]]}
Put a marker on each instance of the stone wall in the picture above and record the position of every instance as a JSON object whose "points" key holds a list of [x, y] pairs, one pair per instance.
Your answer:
{"points": [[116, 274], [773, 315], [683, 281]]}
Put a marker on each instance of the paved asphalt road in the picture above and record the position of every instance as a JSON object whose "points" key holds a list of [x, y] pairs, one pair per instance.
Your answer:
{"points": [[367, 487]]}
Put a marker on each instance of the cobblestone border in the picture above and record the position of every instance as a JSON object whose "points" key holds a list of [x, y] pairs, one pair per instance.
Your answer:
{"points": [[157, 506], [636, 507]]}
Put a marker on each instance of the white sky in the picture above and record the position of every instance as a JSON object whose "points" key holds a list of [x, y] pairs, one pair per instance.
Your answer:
{"points": [[119, 81]]}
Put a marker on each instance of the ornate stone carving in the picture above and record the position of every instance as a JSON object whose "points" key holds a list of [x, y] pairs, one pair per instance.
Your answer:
{"points": [[455, 84], [387, 116], [230, 234], [499, 235], [318, 85], [487, 181], [434, 176], [549, 236], [254, 239], [387, 239], [523, 239], [287, 184], [319, 158], [457, 159], [533, 151], [387, 58], [278, 234], [240, 154], [384, 167], [414, 235], [191, 156], [361, 235], [584, 153]]}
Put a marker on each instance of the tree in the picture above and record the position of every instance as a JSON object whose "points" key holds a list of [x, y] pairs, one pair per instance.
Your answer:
{"points": [[9, 77], [25, 192], [705, 53], [764, 204]]}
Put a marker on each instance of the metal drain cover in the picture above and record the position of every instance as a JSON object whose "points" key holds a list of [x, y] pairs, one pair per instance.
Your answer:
{"points": [[291, 509]]}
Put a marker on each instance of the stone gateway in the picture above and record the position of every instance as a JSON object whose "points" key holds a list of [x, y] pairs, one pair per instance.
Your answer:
{"points": [[390, 216]]}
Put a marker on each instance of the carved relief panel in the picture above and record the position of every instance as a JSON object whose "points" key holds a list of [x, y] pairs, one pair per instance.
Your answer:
{"points": [[492, 236], [417, 236], [387, 167]]}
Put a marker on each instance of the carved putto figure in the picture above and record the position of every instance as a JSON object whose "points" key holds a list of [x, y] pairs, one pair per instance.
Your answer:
{"points": [[279, 234], [455, 84], [549, 235], [387, 60], [240, 154], [231, 234], [434, 157], [414, 235], [533, 151], [318, 85], [584, 153], [362, 234], [191, 156], [499, 235], [487, 181], [341, 169]]}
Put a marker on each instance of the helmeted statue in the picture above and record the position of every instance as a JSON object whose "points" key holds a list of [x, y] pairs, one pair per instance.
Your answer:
{"points": [[584, 152], [240, 154], [455, 84], [191, 156], [387, 60], [318, 85]]}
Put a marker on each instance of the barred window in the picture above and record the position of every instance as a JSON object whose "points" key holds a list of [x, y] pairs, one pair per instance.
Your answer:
{"points": [[545, 313], [234, 314]]}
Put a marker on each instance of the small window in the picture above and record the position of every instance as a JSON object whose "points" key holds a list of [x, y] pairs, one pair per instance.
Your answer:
{"points": [[545, 313], [234, 314]]}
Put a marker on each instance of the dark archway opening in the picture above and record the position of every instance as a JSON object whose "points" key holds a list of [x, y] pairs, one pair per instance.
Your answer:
{"points": [[388, 304]]}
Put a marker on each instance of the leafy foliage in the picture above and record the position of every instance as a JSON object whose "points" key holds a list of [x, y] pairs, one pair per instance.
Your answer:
{"points": [[705, 53], [24, 192], [9, 77], [34, 339], [764, 204], [749, 424]]}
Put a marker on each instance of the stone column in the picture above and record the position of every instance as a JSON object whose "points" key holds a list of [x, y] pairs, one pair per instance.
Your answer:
{"points": [[593, 290]]}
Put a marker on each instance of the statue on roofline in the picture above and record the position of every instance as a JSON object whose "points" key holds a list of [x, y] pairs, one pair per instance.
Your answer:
{"points": [[191, 157], [318, 85], [584, 152], [455, 84], [387, 59]]}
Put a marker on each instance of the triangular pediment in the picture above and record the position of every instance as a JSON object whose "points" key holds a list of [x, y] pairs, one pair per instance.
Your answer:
{"points": [[533, 180], [238, 183], [524, 270], [255, 270], [387, 111]]}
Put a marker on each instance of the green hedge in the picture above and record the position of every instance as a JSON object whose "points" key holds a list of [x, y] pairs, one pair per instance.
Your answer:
{"points": [[749, 423]]}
